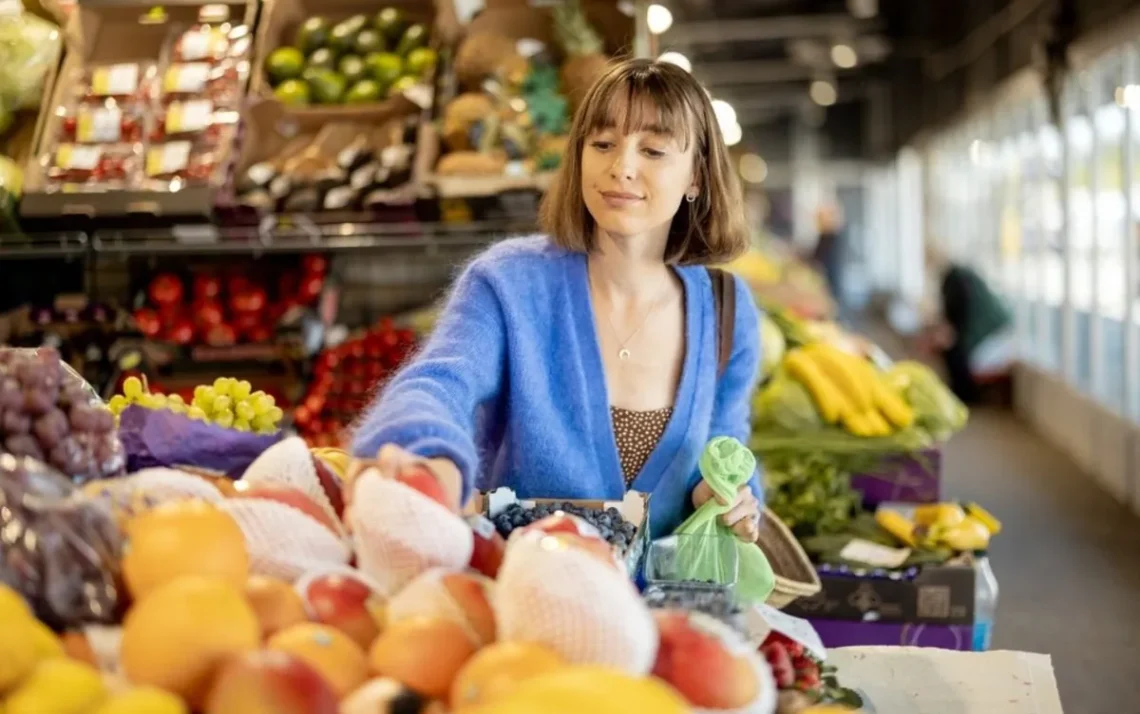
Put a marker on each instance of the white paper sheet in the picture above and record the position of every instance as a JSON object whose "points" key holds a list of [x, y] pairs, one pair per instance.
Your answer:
{"points": [[914, 680]]}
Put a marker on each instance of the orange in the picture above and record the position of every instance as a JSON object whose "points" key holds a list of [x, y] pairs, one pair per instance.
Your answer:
{"points": [[183, 538], [329, 651], [276, 604], [497, 668], [178, 636], [422, 653]]}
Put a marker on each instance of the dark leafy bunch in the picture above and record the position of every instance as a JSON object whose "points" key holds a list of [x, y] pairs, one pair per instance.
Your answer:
{"points": [[812, 496]]}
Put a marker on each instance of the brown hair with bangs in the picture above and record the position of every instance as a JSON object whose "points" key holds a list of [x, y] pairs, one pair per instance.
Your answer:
{"points": [[709, 230]]}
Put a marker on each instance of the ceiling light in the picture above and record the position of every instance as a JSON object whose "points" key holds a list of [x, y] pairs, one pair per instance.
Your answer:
{"points": [[863, 9], [732, 134], [753, 169], [823, 93], [678, 59], [843, 56], [725, 114], [658, 19]]}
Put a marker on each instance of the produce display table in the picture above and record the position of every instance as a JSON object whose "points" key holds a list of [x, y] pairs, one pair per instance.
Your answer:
{"points": [[912, 680]]}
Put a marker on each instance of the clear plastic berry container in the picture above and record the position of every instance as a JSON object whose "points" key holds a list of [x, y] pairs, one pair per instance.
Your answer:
{"points": [[197, 119], [104, 123], [110, 165], [220, 83], [212, 43], [126, 82], [180, 162]]}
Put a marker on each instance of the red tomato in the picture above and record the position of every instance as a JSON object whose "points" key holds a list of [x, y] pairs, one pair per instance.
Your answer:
{"points": [[148, 321], [314, 264], [208, 313], [207, 287], [221, 335], [182, 332], [165, 289]]}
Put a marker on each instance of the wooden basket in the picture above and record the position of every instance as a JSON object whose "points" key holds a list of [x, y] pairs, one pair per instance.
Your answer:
{"points": [[795, 574]]}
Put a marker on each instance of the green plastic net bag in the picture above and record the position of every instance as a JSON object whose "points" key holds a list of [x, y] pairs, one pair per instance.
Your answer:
{"points": [[725, 465]]}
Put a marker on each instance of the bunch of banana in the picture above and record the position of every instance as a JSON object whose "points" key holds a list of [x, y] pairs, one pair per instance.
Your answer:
{"points": [[847, 390], [336, 459], [942, 525]]}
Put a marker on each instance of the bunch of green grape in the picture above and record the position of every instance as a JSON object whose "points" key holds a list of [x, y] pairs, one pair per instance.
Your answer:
{"points": [[228, 402]]}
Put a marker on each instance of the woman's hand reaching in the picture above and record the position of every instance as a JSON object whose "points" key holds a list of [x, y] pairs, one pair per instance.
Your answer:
{"points": [[391, 461], [743, 517]]}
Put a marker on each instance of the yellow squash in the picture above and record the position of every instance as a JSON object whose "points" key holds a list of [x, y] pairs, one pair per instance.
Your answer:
{"points": [[897, 525], [831, 403], [837, 367]]}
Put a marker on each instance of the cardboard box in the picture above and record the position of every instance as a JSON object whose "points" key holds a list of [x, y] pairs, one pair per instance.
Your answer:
{"points": [[941, 595], [277, 27], [109, 32], [912, 478], [634, 508]]}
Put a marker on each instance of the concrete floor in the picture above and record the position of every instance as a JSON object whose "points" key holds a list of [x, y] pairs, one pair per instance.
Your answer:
{"points": [[1067, 563]]}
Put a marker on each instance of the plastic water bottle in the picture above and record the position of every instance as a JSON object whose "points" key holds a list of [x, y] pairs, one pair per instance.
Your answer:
{"points": [[985, 601]]}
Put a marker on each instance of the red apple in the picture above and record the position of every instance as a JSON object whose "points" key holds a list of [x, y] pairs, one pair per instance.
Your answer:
{"points": [[148, 322], [260, 334], [182, 332], [487, 555], [347, 604], [221, 335], [699, 665], [206, 287], [423, 480], [165, 289], [290, 497], [269, 682], [314, 263], [208, 313]]}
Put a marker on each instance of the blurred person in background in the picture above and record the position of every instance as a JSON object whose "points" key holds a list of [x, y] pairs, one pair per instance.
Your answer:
{"points": [[596, 358], [972, 330], [829, 250]]}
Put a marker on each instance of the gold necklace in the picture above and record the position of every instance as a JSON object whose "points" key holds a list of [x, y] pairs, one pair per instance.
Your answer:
{"points": [[623, 351]]}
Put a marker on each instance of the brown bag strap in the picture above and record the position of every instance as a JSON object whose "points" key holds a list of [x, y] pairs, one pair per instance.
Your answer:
{"points": [[724, 301]]}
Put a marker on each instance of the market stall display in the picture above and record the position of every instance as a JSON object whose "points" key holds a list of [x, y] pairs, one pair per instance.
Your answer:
{"points": [[146, 109], [778, 277]]}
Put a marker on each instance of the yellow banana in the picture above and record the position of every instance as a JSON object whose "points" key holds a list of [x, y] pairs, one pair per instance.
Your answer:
{"points": [[884, 397], [830, 401], [837, 367], [942, 514], [879, 425], [897, 525], [970, 534], [992, 524]]}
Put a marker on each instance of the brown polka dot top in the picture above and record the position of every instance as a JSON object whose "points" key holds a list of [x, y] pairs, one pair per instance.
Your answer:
{"points": [[637, 434]]}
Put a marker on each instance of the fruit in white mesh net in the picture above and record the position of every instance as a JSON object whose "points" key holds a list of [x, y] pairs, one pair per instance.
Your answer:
{"points": [[573, 602], [464, 598]]}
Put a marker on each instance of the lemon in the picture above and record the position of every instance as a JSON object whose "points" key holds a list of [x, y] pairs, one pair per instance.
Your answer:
{"points": [[59, 686], [587, 689], [143, 700], [12, 605], [23, 645]]}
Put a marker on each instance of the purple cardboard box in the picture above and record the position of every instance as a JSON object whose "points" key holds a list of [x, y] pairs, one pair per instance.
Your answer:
{"points": [[852, 633], [913, 478]]}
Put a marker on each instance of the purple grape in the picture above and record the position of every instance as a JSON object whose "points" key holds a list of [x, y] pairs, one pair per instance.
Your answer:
{"points": [[29, 373], [104, 421], [50, 428], [37, 402], [83, 418], [110, 456], [23, 445], [11, 396], [16, 422], [68, 456]]}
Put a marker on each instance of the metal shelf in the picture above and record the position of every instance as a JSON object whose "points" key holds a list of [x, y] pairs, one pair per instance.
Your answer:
{"points": [[279, 234]]}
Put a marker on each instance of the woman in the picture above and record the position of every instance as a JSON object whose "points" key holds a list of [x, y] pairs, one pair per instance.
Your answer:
{"points": [[583, 363]]}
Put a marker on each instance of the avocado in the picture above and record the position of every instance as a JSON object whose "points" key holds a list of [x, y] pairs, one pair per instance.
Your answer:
{"points": [[352, 67], [324, 58], [293, 92], [384, 67], [284, 63], [391, 23], [343, 36], [369, 41], [420, 62], [312, 35], [365, 91], [402, 85], [327, 87], [416, 36]]}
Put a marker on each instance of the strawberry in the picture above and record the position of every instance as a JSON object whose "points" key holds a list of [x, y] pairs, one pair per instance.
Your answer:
{"points": [[807, 680], [781, 664]]}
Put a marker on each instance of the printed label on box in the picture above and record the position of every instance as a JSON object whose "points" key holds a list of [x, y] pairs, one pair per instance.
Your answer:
{"points": [[482, 526], [168, 158], [186, 78], [115, 81], [82, 158], [873, 554], [103, 125], [188, 117], [762, 618]]}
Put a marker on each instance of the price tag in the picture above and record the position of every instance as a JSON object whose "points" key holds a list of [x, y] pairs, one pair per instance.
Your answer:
{"points": [[195, 234], [186, 78], [762, 619], [207, 44], [105, 643], [482, 526], [82, 158], [115, 81], [168, 158], [103, 125], [189, 117], [873, 554]]}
